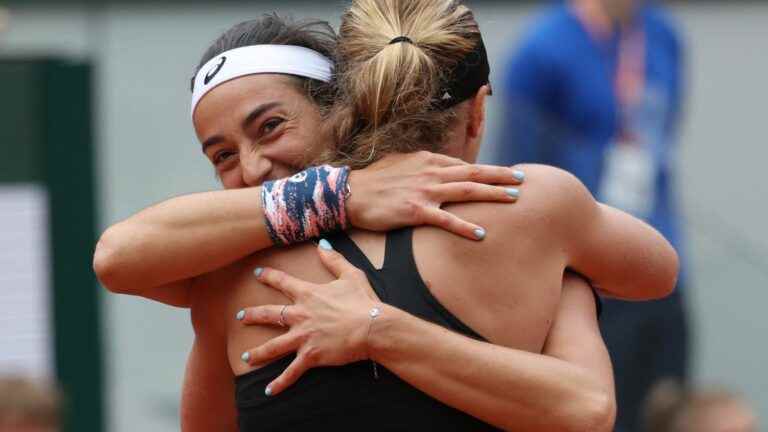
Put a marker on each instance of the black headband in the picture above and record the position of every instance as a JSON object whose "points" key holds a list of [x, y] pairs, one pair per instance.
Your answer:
{"points": [[465, 79]]}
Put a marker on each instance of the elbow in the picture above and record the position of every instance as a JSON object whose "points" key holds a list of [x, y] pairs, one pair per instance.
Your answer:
{"points": [[602, 414], [673, 271], [595, 412], [106, 262], [668, 270]]}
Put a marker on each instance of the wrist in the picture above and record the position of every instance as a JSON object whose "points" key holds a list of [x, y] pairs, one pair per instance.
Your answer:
{"points": [[308, 204], [353, 207], [380, 340]]}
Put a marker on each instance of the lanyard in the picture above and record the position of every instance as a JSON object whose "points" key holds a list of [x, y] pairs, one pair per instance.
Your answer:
{"points": [[629, 75]]}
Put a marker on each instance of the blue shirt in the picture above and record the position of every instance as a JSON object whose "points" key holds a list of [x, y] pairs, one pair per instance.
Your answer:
{"points": [[561, 106]]}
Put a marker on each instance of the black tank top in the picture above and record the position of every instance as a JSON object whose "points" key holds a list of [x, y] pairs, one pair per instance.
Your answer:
{"points": [[349, 398]]}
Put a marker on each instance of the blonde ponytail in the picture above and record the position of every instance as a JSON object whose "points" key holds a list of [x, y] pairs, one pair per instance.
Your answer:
{"points": [[393, 57]]}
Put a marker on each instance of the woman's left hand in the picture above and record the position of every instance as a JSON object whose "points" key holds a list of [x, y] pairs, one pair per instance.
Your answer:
{"points": [[328, 323]]}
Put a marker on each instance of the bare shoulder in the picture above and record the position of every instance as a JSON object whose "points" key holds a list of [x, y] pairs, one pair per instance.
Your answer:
{"points": [[534, 232], [515, 272], [551, 202], [552, 188]]}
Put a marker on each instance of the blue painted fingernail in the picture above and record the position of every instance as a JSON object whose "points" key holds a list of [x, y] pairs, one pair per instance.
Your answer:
{"points": [[325, 244], [513, 192], [519, 175], [240, 315], [245, 357], [480, 233], [258, 271], [268, 391]]}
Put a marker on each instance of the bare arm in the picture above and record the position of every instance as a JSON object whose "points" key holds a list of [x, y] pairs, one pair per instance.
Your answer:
{"points": [[506, 387], [156, 252], [160, 248], [624, 257], [621, 255], [568, 388]]}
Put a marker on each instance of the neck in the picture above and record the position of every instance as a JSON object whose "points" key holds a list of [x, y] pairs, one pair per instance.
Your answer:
{"points": [[606, 15]]}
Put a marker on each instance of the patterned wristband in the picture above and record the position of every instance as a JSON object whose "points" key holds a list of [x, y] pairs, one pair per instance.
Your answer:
{"points": [[309, 204]]}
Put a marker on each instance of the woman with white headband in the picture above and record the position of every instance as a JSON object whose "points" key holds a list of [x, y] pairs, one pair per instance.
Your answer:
{"points": [[503, 294], [273, 130]]}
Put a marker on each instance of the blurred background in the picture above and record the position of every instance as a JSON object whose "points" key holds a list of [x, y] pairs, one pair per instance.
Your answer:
{"points": [[94, 126]]}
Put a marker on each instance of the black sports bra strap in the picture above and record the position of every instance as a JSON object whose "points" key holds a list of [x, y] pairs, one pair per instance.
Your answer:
{"points": [[399, 251], [400, 259], [347, 247], [344, 245]]}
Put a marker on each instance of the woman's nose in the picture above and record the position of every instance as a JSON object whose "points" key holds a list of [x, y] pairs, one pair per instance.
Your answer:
{"points": [[255, 168]]}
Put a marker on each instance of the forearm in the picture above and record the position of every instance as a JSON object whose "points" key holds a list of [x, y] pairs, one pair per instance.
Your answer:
{"points": [[181, 238], [505, 387], [641, 264]]}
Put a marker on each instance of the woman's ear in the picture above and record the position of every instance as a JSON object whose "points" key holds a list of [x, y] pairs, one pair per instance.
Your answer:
{"points": [[476, 124]]}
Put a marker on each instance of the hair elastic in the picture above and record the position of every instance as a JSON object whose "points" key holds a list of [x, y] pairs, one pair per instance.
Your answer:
{"points": [[401, 39]]}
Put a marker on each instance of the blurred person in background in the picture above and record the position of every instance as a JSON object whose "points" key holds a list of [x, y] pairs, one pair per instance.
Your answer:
{"points": [[673, 408], [596, 88], [28, 406]]}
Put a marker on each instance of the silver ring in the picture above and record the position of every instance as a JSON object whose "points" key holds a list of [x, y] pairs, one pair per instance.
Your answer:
{"points": [[281, 321]]}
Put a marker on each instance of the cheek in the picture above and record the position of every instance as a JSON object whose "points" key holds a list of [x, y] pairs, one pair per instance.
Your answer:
{"points": [[232, 179], [292, 151]]}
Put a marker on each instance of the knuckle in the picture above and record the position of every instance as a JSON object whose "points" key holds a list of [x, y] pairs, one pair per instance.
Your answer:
{"points": [[296, 314], [335, 258], [312, 354], [438, 219], [425, 155], [278, 277], [268, 351], [427, 177], [466, 189], [310, 296], [474, 173], [253, 315], [412, 209], [423, 188], [305, 336], [358, 274]]}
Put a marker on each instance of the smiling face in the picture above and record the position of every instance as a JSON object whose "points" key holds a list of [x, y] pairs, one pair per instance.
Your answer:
{"points": [[258, 128]]}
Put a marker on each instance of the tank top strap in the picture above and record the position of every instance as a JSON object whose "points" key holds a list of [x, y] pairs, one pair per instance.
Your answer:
{"points": [[346, 246], [399, 260], [399, 250]]}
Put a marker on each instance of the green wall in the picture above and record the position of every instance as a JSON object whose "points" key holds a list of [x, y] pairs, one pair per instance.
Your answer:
{"points": [[46, 138]]}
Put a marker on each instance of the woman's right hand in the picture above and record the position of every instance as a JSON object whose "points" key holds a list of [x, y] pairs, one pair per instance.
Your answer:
{"points": [[409, 190]]}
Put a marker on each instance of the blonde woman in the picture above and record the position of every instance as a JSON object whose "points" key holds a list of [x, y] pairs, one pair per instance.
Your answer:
{"points": [[413, 76]]}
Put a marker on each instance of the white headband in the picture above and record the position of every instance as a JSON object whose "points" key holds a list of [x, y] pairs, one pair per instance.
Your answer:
{"points": [[255, 59]]}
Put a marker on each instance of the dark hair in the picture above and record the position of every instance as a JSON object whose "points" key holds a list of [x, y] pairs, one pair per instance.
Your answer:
{"points": [[276, 30]]}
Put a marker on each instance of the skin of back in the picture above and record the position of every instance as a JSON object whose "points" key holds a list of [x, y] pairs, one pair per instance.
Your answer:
{"points": [[510, 280]]}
